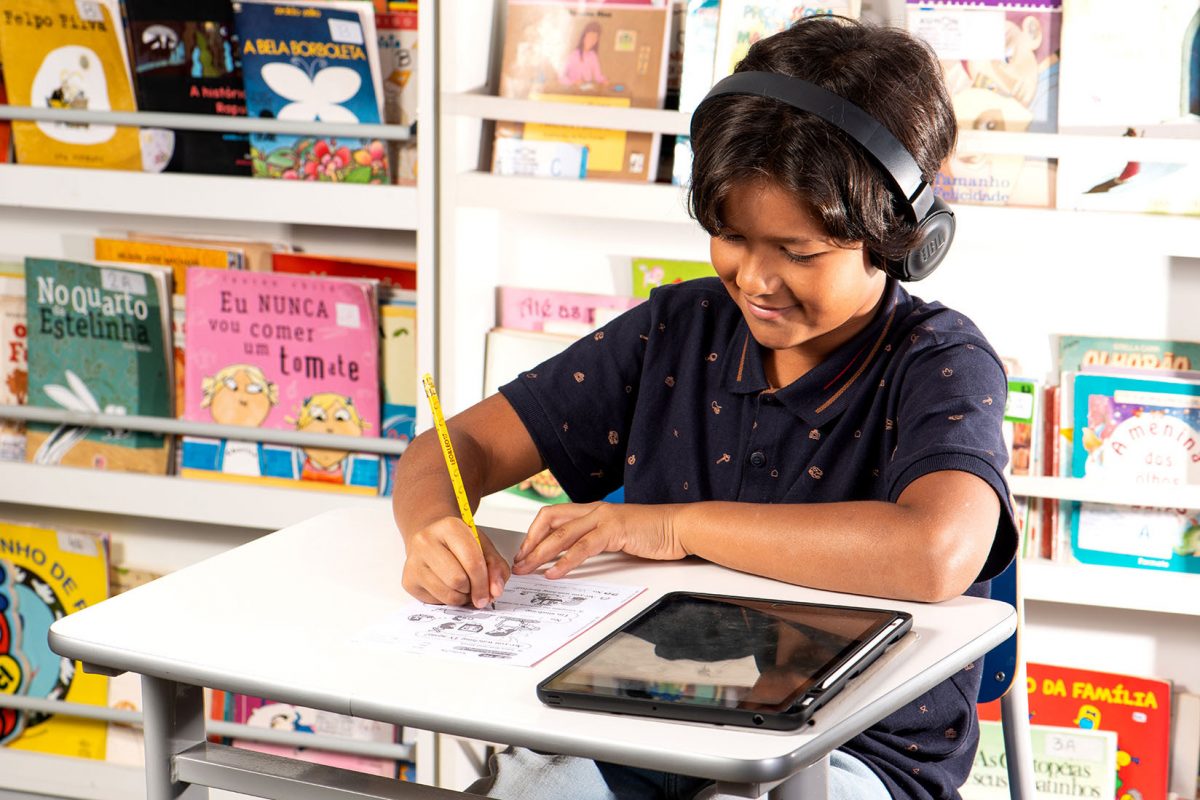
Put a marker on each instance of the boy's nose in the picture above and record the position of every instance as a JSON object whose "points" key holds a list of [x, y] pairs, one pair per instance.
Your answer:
{"points": [[755, 277]]}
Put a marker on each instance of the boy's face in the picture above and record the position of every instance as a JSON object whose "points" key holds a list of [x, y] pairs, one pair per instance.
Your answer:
{"points": [[801, 294]]}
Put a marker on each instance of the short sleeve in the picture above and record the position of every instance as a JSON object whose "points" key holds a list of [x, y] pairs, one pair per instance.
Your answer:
{"points": [[578, 406], [949, 417]]}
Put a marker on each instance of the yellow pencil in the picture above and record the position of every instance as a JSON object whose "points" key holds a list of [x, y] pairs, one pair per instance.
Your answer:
{"points": [[439, 422]]}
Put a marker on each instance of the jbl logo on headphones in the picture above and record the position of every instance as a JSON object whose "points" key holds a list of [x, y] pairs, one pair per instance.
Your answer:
{"points": [[930, 248]]}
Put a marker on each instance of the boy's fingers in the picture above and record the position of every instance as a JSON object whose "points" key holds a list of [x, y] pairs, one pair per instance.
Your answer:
{"points": [[472, 562], [591, 544], [552, 544]]}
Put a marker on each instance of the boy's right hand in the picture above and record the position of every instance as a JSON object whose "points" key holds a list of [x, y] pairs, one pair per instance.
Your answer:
{"points": [[444, 565]]}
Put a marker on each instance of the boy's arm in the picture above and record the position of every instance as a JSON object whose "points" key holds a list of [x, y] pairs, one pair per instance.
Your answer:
{"points": [[930, 545], [443, 564]]}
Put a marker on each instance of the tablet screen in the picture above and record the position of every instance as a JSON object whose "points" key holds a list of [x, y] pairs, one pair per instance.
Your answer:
{"points": [[722, 652]]}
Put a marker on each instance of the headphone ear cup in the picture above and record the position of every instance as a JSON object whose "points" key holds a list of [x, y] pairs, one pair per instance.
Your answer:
{"points": [[934, 235]]}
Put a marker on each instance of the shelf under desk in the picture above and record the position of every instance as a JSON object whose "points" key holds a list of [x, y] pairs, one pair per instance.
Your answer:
{"points": [[277, 617]]}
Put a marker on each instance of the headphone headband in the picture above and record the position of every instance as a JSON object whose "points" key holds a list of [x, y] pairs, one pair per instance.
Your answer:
{"points": [[896, 163]]}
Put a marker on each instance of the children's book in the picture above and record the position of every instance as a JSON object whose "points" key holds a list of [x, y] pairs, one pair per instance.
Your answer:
{"points": [[650, 273], [44, 575], [398, 350], [554, 311], [292, 352], [185, 60], [390, 274], [69, 54], [176, 256], [589, 52], [1022, 429], [14, 365], [99, 341], [397, 31], [1135, 75], [1135, 432], [5, 125], [695, 74], [1151, 355], [252, 254], [312, 61], [1136, 708], [744, 22], [1068, 763], [1000, 60]]}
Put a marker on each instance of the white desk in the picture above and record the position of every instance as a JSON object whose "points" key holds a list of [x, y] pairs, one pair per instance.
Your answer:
{"points": [[275, 618]]}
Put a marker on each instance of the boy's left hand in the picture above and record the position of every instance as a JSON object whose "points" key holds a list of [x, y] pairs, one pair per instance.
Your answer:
{"points": [[580, 531]]}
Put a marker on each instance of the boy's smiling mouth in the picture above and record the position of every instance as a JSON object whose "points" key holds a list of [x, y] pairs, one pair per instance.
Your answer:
{"points": [[766, 312]]}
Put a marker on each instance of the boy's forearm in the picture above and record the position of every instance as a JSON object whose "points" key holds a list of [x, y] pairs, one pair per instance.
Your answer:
{"points": [[423, 492]]}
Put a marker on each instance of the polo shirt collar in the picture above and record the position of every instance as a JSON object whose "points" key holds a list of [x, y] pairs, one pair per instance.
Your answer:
{"points": [[822, 393]]}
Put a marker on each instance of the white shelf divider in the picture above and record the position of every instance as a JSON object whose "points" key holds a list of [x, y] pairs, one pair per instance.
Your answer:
{"points": [[650, 202], [212, 197], [1094, 491], [57, 776], [1093, 585]]}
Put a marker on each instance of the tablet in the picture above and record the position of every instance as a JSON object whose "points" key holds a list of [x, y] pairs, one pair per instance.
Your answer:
{"points": [[728, 660]]}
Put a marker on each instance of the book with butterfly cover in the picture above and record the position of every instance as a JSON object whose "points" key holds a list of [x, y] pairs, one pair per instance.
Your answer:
{"points": [[312, 61], [185, 60], [69, 54], [99, 341]]}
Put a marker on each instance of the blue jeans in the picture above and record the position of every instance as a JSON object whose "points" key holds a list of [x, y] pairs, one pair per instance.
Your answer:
{"points": [[521, 774]]}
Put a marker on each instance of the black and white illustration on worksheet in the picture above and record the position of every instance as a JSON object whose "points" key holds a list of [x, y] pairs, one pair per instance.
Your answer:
{"points": [[534, 617]]}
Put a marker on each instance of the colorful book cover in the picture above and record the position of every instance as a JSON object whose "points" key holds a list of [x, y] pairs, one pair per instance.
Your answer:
{"points": [[14, 364], [1137, 709], [1022, 430], [1136, 432], [45, 575], [397, 30], [99, 341], [289, 352], [589, 52], [551, 310], [650, 273], [398, 349], [185, 61], [253, 254], [696, 74], [176, 256], [744, 22], [5, 125], [390, 274], [1000, 59], [315, 61], [1137, 75], [1068, 763], [69, 54], [1087, 352]]}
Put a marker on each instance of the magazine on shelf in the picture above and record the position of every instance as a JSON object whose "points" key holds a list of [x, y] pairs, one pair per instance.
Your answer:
{"points": [[588, 52], [185, 60], [66, 54]]}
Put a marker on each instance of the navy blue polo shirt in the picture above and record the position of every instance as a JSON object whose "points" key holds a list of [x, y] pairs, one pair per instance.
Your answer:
{"points": [[671, 401]]}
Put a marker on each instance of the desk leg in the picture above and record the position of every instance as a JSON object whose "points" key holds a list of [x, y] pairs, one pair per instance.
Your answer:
{"points": [[810, 783], [174, 721]]}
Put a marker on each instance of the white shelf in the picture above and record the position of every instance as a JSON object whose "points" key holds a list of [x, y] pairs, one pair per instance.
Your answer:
{"points": [[60, 776], [167, 497], [213, 197], [648, 202], [1094, 491], [1111, 587]]}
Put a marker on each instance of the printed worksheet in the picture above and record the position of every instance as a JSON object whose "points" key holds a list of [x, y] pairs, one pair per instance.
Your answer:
{"points": [[534, 617]]}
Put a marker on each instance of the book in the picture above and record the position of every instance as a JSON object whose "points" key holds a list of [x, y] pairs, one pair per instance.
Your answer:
{"points": [[1022, 429], [390, 274], [1185, 745], [743, 22], [254, 254], [291, 352], [69, 54], [397, 30], [309, 61], [1134, 707], [99, 341], [5, 125], [554, 311], [398, 352], [176, 256], [14, 364], [1132, 431], [589, 52], [46, 574], [185, 60], [695, 74], [1000, 61], [650, 273], [1102, 45], [1087, 352], [1068, 763]]}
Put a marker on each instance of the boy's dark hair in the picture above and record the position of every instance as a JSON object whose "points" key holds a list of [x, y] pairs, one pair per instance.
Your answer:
{"points": [[887, 72]]}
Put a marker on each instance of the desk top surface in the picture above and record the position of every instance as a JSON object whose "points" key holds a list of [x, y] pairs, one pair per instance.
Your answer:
{"points": [[276, 618]]}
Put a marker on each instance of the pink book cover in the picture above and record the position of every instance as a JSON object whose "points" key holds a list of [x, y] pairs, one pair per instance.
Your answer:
{"points": [[290, 352], [535, 309]]}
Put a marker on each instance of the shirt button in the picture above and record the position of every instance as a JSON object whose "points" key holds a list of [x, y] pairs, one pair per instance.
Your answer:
{"points": [[758, 458]]}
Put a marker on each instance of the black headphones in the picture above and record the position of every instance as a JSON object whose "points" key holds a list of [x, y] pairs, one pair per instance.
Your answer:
{"points": [[934, 219]]}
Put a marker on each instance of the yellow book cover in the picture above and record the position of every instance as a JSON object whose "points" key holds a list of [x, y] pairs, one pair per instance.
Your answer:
{"points": [[69, 54], [44, 575], [162, 254]]}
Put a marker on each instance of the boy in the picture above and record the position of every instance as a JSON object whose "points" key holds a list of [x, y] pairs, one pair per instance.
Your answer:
{"points": [[799, 416]]}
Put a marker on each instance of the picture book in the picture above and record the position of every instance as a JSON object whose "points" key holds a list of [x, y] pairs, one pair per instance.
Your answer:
{"points": [[554, 311], [69, 54], [744, 22], [254, 254], [176, 256], [1000, 59], [312, 61], [5, 125], [293, 352], [1136, 708], [695, 73], [14, 365], [611, 54], [397, 31], [1103, 46], [1132, 431], [185, 60], [44, 575], [649, 273], [398, 351], [1087, 352], [1068, 763], [99, 341], [390, 274], [1022, 429]]}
